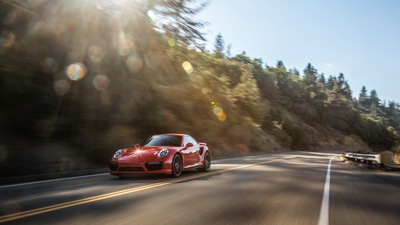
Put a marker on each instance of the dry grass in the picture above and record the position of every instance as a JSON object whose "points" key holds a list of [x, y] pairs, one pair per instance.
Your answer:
{"points": [[396, 158]]}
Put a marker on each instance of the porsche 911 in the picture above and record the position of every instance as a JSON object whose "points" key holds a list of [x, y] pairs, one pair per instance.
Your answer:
{"points": [[162, 154]]}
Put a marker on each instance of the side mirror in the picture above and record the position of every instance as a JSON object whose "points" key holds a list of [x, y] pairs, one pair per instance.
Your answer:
{"points": [[137, 146], [188, 145]]}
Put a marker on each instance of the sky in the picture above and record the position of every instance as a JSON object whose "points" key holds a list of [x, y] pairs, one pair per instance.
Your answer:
{"points": [[359, 38]]}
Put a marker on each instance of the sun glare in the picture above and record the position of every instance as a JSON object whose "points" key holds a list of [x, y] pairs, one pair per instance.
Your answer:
{"points": [[76, 71]]}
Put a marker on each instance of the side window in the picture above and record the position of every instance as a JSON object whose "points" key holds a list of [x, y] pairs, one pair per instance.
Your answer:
{"points": [[194, 141], [185, 141], [190, 140]]}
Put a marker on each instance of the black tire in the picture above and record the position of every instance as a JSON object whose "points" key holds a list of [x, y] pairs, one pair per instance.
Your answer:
{"points": [[207, 163], [176, 165]]}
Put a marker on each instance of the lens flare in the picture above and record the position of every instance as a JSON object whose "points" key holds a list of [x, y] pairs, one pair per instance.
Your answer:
{"points": [[171, 43], [219, 112], [124, 44], [61, 87], [101, 82], [222, 117], [152, 15], [187, 66], [134, 63], [95, 54], [76, 71]]}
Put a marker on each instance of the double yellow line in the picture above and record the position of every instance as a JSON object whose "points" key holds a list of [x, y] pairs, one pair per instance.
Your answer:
{"points": [[51, 208]]}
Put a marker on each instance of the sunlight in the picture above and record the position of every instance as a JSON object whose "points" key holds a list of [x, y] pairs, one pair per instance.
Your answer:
{"points": [[187, 66], [124, 44], [171, 43], [152, 15], [219, 112], [134, 62], [118, 7], [76, 71]]}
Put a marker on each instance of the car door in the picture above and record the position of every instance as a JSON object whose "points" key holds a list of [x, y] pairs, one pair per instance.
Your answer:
{"points": [[195, 151], [190, 152]]}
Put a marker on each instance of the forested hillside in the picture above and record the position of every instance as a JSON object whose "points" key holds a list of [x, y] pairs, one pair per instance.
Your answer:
{"points": [[81, 79]]}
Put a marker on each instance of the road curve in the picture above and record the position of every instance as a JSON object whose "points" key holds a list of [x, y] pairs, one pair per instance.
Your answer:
{"points": [[284, 188]]}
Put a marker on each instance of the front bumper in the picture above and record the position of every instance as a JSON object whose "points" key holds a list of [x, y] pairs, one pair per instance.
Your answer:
{"points": [[154, 167]]}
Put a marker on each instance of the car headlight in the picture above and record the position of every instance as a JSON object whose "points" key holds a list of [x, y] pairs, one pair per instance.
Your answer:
{"points": [[117, 154], [164, 152]]}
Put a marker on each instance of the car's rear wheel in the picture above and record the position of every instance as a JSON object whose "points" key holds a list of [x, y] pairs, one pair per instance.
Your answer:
{"points": [[176, 165], [207, 163]]}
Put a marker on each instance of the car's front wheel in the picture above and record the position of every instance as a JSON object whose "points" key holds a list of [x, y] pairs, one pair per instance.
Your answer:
{"points": [[176, 165], [207, 163]]}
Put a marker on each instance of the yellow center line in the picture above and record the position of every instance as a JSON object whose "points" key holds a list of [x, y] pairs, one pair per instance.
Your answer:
{"points": [[64, 205]]}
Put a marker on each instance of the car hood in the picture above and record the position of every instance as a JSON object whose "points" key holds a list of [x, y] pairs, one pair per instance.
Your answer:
{"points": [[144, 151]]}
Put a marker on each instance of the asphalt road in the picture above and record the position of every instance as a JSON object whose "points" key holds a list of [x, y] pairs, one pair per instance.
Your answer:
{"points": [[285, 188]]}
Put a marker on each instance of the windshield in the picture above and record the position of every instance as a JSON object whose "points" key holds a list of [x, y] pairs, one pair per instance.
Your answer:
{"points": [[164, 140]]}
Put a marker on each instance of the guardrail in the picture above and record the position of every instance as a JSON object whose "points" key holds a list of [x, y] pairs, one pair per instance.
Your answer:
{"points": [[370, 158]]}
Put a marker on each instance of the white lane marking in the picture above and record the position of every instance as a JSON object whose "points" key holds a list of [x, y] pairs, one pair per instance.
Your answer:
{"points": [[52, 180], [324, 213]]}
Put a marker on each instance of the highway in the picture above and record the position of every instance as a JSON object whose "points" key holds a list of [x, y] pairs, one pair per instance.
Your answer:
{"points": [[279, 188]]}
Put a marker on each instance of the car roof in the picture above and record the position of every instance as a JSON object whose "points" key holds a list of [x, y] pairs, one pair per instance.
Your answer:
{"points": [[172, 134]]}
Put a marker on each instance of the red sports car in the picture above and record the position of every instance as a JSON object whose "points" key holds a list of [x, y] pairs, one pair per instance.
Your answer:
{"points": [[162, 154]]}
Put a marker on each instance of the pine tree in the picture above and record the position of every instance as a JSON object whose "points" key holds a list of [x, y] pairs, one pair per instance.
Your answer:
{"points": [[374, 98], [322, 79], [178, 18], [229, 51], [310, 74], [219, 46], [295, 72], [363, 98], [331, 82], [280, 64]]}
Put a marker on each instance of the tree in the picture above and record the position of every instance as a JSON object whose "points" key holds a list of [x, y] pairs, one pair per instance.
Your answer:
{"points": [[331, 82], [374, 98], [118, 50], [341, 80], [219, 46], [280, 64], [363, 98], [229, 51], [322, 80], [243, 58], [310, 74], [344, 87], [177, 18], [294, 71]]}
